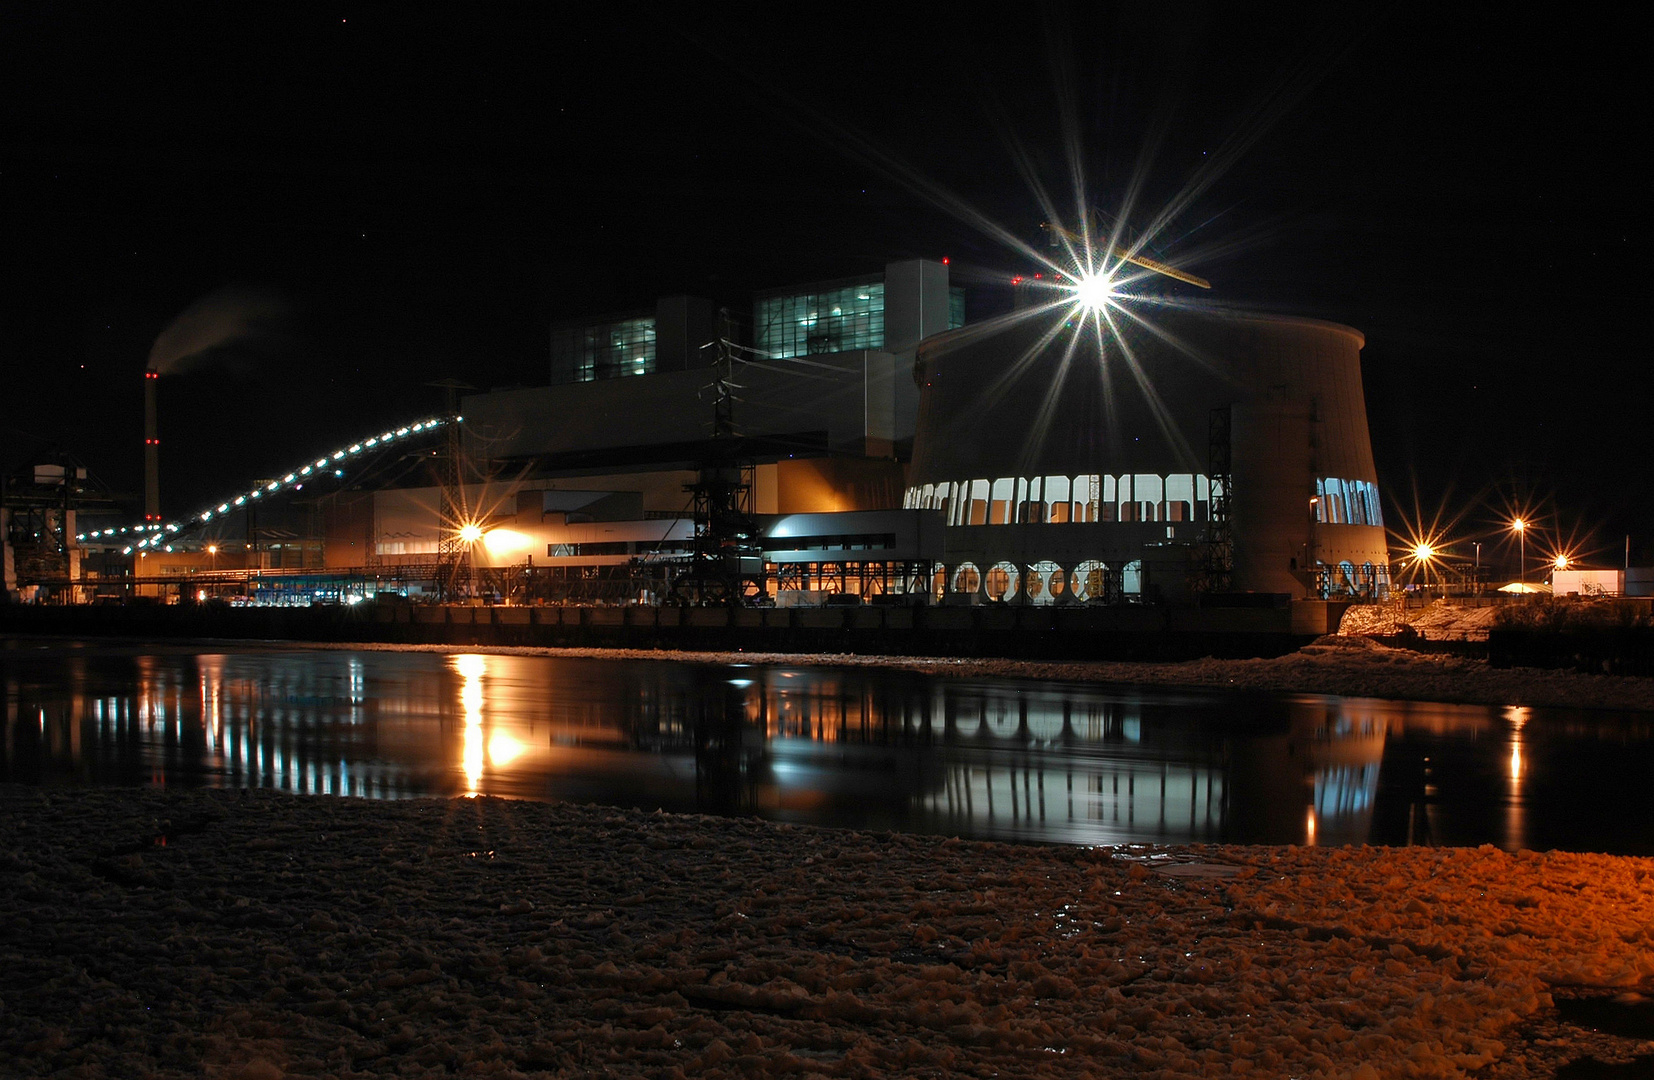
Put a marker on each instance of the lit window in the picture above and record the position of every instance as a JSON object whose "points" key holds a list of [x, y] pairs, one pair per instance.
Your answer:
{"points": [[979, 503], [833, 320], [604, 351], [1131, 578], [1001, 582], [1090, 581], [1057, 506], [1044, 582], [999, 509]]}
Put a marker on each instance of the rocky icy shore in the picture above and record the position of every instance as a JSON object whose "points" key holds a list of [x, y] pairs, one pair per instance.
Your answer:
{"points": [[257, 935]]}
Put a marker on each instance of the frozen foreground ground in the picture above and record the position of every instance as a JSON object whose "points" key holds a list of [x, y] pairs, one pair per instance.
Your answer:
{"points": [[273, 935]]}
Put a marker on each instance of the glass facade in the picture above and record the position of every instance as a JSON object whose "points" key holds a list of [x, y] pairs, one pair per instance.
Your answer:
{"points": [[1058, 500], [1347, 502], [826, 321], [605, 351]]}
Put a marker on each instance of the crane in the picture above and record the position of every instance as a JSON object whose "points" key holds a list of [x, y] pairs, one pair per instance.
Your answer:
{"points": [[1097, 243]]}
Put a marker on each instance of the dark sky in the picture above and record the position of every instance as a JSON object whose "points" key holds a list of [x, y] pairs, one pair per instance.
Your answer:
{"points": [[374, 198]]}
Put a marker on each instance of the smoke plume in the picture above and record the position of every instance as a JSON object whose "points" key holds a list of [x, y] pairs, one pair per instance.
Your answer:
{"points": [[236, 326]]}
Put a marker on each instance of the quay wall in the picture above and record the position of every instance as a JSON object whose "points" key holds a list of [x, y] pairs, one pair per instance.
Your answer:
{"points": [[1102, 633]]}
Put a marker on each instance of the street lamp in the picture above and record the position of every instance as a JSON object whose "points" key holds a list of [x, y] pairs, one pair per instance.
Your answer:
{"points": [[1521, 528], [1423, 553]]}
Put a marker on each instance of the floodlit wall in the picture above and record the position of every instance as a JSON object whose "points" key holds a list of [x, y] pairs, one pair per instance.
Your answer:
{"points": [[1588, 582]]}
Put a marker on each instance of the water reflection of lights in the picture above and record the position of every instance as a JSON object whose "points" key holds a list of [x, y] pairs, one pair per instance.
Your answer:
{"points": [[1515, 800], [503, 749], [1517, 716], [471, 668], [971, 758]]}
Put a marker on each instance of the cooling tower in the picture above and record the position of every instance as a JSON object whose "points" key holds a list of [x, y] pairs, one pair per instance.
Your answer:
{"points": [[1069, 460]]}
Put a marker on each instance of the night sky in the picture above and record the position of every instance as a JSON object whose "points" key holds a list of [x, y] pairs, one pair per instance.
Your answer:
{"points": [[341, 205]]}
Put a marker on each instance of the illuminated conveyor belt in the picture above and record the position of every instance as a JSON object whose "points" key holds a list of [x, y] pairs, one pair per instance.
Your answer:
{"points": [[155, 534]]}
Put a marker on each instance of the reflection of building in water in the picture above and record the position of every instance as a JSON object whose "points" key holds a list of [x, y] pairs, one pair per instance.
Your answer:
{"points": [[1345, 750], [238, 721], [1081, 770], [1315, 781], [1011, 759], [1064, 763]]}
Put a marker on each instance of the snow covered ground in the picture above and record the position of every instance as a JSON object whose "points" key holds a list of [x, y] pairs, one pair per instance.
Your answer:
{"points": [[273, 936]]}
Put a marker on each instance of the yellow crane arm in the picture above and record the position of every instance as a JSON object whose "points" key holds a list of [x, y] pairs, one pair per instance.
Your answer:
{"points": [[1158, 267], [1136, 260]]}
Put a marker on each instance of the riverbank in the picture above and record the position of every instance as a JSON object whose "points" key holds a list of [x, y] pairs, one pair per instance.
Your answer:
{"points": [[256, 935], [1345, 666]]}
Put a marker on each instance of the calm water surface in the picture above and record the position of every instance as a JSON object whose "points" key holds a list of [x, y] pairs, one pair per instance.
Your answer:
{"points": [[1005, 759]]}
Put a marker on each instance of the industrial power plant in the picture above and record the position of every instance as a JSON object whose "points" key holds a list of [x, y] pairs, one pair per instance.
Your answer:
{"points": [[848, 443]]}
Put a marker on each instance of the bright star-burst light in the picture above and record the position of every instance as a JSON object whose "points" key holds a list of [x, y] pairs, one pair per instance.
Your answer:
{"points": [[1093, 291], [470, 532]]}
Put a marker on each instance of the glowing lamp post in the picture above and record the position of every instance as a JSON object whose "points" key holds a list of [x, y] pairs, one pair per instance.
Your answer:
{"points": [[1422, 554], [1521, 528]]}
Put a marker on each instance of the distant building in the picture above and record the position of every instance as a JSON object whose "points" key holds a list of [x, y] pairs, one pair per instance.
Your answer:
{"points": [[1588, 582]]}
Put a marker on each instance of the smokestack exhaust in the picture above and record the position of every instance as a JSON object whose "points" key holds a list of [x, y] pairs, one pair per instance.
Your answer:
{"points": [[152, 450]]}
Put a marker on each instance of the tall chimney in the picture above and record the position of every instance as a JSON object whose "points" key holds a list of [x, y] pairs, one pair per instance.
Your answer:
{"points": [[152, 450]]}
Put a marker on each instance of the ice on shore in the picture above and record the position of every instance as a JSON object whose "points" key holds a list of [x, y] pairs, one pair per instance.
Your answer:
{"points": [[147, 933]]}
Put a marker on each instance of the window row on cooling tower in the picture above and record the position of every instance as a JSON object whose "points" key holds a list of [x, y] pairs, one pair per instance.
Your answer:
{"points": [[1347, 502], [1061, 499], [1095, 497]]}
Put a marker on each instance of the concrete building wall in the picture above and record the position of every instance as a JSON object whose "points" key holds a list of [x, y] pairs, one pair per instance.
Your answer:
{"points": [[846, 402], [1273, 514], [915, 303], [684, 326]]}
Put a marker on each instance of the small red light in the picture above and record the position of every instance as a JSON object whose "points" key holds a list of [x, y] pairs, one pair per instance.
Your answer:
{"points": [[1039, 275], [944, 260], [1017, 280]]}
